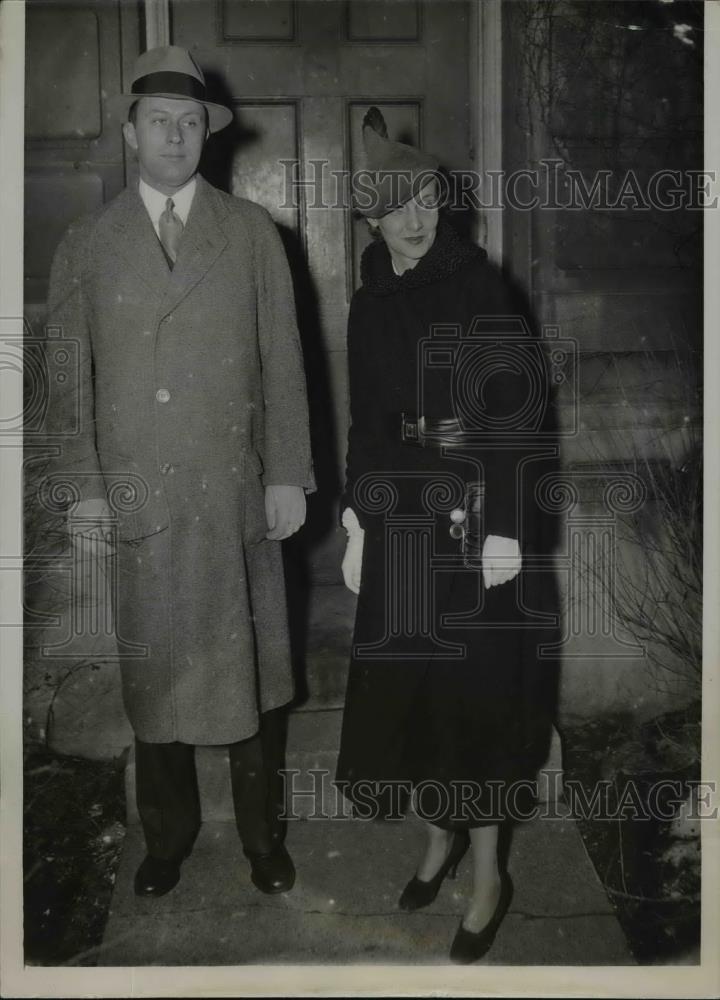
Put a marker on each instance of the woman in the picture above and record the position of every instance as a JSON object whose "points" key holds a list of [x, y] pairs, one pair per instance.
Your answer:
{"points": [[447, 710]]}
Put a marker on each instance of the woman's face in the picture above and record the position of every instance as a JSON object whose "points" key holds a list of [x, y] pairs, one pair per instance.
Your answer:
{"points": [[409, 231]]}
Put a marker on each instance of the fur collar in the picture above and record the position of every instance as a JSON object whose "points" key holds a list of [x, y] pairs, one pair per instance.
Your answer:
{"points": [[448, 254]]}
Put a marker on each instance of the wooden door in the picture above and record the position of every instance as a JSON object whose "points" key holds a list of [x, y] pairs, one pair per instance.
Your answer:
{"points": [[300, 75]]}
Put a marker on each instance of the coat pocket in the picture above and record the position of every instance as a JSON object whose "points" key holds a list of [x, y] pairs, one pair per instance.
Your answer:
{"points": [[254, 518], [253, 463]]}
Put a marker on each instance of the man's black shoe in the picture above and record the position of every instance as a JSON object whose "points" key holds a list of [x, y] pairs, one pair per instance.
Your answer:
{"points": [[155, 877], [273, 872]]}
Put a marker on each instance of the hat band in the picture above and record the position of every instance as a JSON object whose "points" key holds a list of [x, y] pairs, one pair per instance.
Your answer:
{"points": [[181, 84]]}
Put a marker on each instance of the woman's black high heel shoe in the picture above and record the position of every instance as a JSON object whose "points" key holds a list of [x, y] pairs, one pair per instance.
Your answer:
{"points": [[418, 893], [467, 946]]}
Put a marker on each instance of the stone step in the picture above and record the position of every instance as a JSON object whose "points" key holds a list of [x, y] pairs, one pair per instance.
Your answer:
{"points": [[312, 749], [321, 685], [330, 621]]}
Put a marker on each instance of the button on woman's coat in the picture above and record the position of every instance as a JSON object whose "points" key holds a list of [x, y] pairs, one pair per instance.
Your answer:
{"points": [[191, 398]]}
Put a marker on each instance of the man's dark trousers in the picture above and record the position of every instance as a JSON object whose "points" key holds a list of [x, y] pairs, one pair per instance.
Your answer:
{"points": [[169, 802]]}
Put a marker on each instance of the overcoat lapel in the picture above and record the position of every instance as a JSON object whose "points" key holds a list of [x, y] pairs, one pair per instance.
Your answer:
{"points": [[137, 243], [203, 240]]}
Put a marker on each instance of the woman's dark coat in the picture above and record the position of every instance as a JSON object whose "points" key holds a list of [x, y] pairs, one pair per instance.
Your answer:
{"points": [[429, 700]]}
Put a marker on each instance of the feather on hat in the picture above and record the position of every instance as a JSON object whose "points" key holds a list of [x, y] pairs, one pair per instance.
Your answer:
{"points": [[395, 171]]}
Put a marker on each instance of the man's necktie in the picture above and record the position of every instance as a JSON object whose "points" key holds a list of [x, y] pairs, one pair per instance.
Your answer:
{"points": [[171, 229]]}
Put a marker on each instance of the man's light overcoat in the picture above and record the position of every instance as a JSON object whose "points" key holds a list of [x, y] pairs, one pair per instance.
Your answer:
{"points": [[191, 398]]}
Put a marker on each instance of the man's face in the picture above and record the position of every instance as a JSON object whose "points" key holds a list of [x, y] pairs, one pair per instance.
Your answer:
{"points": [[168, 136]]}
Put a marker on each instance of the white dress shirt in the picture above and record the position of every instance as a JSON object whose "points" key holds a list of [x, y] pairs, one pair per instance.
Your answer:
{"points": [[155, 202]]}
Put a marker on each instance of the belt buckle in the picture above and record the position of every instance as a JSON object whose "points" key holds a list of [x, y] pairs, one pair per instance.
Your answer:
{"points": [[411, 430]]}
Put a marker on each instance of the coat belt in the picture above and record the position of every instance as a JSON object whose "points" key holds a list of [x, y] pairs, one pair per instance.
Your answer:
{"points": [[429, 432]]}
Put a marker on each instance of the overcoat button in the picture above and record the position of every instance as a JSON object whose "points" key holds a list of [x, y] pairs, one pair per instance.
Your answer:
{"points": [[162, 395]]}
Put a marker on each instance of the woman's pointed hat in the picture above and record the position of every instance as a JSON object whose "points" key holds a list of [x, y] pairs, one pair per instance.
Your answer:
{"points": [[394, 171], [169, 71]]}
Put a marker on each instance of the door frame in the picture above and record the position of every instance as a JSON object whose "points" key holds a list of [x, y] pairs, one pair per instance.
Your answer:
{"points": [[157, 23], [486, 116]]}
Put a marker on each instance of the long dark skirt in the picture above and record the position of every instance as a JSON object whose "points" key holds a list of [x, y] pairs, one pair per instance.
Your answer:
{"points": [[455, 714]]}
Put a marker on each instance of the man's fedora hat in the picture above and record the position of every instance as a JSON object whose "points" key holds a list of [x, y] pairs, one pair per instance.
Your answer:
{"points": [[170, 71]]}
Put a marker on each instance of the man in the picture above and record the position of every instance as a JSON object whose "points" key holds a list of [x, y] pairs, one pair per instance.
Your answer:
{"points": [[193, 423]]}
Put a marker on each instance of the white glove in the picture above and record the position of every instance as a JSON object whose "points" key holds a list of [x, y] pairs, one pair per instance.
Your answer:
{"points": [[501, 560], [352, 561]]}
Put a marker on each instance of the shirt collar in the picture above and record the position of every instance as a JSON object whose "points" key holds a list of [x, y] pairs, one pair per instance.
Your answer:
{"points": [[155, 201]]}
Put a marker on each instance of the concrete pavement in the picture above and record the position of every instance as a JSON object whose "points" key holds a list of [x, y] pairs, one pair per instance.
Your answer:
{"points": [[343, 909]]}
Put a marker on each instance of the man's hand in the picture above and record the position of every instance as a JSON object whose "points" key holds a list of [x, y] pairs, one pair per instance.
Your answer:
{"points": [[501, 560], [284, 510], [89, 526]]}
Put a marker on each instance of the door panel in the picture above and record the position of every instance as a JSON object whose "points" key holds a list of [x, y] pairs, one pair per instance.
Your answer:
{"points": [[242, 20], [271, 131], [75, 57], [300, 77], [397, 21]]}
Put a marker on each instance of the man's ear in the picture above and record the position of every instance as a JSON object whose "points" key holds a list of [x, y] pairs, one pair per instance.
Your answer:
{"points": [[130, 136]]}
